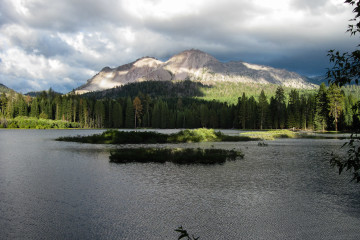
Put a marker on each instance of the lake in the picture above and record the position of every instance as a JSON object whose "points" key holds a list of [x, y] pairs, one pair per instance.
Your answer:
{"points": [[62, 190]]}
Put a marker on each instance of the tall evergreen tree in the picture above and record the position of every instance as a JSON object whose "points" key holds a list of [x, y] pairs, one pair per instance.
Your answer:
{"points": [[129, 114], [117, 115], [321, 108], [35, 111], [243, 115], [336, 99], [138, 108], [204, 115], [3, 103], [99, 114], [263, 108], [280, 107], [156, 115], [294, 109]]}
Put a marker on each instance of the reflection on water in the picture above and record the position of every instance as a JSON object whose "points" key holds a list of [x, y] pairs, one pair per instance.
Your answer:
{"points": [[286, 190]]}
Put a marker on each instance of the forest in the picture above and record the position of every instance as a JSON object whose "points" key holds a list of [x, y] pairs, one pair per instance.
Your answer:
{"points": [[328, 108]]}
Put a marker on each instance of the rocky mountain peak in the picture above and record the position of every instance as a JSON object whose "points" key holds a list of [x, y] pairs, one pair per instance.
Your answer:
{"points": [[194, 65], [191, 59]]}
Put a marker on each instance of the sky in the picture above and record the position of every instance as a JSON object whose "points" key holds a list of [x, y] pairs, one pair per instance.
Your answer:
{"points": [[62, 44]]}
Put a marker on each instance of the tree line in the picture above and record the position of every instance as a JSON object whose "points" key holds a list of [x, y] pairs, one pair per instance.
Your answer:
{"points": [[327, 109]]}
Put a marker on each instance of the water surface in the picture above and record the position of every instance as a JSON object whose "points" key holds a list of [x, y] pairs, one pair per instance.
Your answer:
{"points": [[61, 190]]}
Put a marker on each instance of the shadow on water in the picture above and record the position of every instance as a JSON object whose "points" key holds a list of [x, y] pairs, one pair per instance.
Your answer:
{"points": [[175, 155]]}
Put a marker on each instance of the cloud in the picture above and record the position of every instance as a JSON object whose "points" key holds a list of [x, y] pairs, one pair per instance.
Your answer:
{"points": [[36, 72], [63, 43]]}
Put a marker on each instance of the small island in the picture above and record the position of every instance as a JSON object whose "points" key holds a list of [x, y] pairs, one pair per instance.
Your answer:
{"points": [[151, 137]]}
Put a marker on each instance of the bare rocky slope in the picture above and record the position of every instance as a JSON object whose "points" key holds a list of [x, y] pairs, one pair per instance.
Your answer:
{"points": [[193, 65]]}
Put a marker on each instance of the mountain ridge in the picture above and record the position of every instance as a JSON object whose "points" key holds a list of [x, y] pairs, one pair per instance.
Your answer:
{"points": [[5, 89], [194, 65]]}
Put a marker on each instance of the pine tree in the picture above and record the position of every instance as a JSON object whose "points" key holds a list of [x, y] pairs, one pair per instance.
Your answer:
{"points": [[99, 113], [294, 110], [129, 114], [303, 112], [156, 116], [34, 112], [242, 103], [252, 117], [321, 108], [204, 115], [3, 103], [273, 113], [280, 107], [336, 99], [137, 111], [117, 115], [263, 108], [310, 113]]}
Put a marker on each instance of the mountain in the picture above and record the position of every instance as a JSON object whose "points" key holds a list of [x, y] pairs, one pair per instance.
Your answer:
{"points": [[193, 65]]}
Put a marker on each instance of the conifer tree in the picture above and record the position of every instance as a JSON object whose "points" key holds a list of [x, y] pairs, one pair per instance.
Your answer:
{"points": [[294, 109], [137, 111], [263, 108], [336, 99], [204, 115], [321, 108], [164, 114], [99, 113], [280, 107], [242, 103], [117, 115], [34, 112], [156, 116], [251, 109], [129, 114], [3, 103]]}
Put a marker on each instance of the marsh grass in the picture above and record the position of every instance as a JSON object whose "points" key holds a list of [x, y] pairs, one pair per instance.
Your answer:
{"points": [[175, 155], [37, 123], [272, 134]]}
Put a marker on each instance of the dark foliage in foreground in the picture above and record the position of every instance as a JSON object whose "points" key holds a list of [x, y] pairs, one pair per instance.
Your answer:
{"points": [[184, 234], [134, 137], [346, 70], [177, 155], [352, 162]]}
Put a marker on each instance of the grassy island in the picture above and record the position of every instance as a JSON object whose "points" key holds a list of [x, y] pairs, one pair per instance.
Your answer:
{"points": [[137, 137], [175, 155]]}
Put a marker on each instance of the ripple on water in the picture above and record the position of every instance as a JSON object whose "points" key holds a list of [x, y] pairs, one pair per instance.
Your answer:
{"points": [[65, 190]]}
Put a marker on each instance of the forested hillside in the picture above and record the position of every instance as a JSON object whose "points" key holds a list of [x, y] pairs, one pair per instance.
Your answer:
{"points": [[222, 91], [328, 108], [4, 89]]}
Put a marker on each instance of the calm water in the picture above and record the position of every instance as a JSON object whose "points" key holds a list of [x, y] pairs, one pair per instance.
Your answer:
{"points": [[59, 190]]}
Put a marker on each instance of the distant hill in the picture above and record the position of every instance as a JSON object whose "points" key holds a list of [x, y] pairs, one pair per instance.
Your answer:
{"points": [[193, 65], [37, 93], [4, 89], [318, 80]]}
